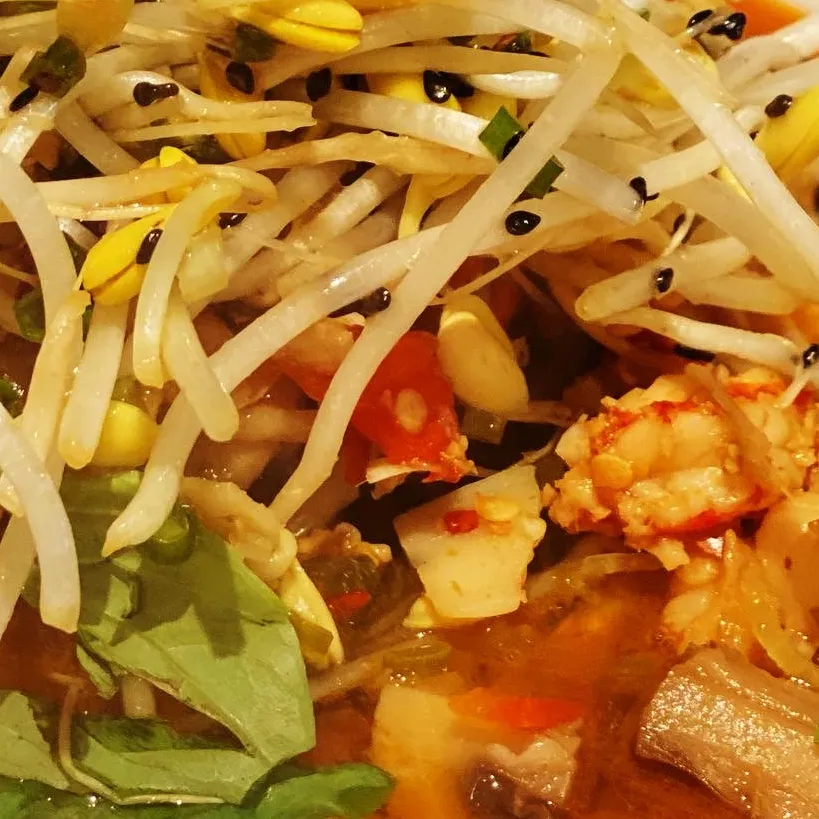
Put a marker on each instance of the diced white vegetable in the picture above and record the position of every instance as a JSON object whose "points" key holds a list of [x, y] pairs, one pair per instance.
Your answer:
{"points": [[478, 573]]}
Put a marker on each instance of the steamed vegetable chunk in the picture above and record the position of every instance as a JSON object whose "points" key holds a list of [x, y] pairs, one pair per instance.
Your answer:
{"points": [[471, 547]]}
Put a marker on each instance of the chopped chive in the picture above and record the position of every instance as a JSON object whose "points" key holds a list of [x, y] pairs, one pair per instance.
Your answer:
{"points": [[11, 395], [58, 69], [542, 183], [502, 127]]}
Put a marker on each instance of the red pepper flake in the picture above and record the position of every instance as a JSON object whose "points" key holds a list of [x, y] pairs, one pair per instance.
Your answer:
{"points": [[347, 604], [752, 391], [461, 521]]}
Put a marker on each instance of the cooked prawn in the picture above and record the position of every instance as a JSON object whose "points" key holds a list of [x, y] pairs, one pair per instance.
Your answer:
{"points": [[667, 461]]}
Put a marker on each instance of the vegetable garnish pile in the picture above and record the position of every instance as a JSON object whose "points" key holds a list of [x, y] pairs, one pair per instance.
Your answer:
{"points": [[261, 260]]}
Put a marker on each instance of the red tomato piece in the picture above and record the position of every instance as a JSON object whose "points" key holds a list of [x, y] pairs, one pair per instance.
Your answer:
{"points": [[407, 409]]}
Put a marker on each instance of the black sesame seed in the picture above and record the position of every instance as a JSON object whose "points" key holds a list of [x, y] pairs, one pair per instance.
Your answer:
{"points": [[810, 356], [457, 85], [229, 220], [699, 17], [147, 93], [436, 88], [663, 279], [511, 144], [521, 222], [26, 96], [319, 83], [678, 222], [240, 76], [354, 174], [378, 301], [639, 186], [754, 134], [354, 82], [692, 354], [148, 246], [733, 26], [778, 106]]}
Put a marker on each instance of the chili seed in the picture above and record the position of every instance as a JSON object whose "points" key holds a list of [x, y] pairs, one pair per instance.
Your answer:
{"points": [[240, 76], [26, 96], [435, 87], [354, 174], [319, 83], [810, 356], [778, 106], [148, 246], [521, 222], [147, 93], [639, 185], [663, 279], [229, 220], [511, 144], [733, 26], [699, 17]]}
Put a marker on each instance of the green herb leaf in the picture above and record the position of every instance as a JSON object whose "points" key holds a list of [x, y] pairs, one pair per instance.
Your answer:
{"points": [[93, 502], [24, 753], [353, 791], [502, 127], [142, 756], [11, 395], [99, 674], [57, 69], [30, 313], [31, 800], [542, 183], [349, 791], [207, 630]]}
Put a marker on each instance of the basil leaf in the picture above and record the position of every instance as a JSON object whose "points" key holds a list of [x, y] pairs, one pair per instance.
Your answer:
{"points": [[92, 504], [353, 791], [31, 800], [24, 753], [207, 630], [99, 674], [143, 756]]}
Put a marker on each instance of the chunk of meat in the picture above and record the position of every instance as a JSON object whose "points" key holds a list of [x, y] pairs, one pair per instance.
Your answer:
{"points": [[745, 734], [667, 461]]}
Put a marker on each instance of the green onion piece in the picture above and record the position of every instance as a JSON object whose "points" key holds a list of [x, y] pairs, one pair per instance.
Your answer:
{"points": [[542, 183], [252, 45], [502, 127], [11, 395], [58, 69], [173, 542], [30, 313]]}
